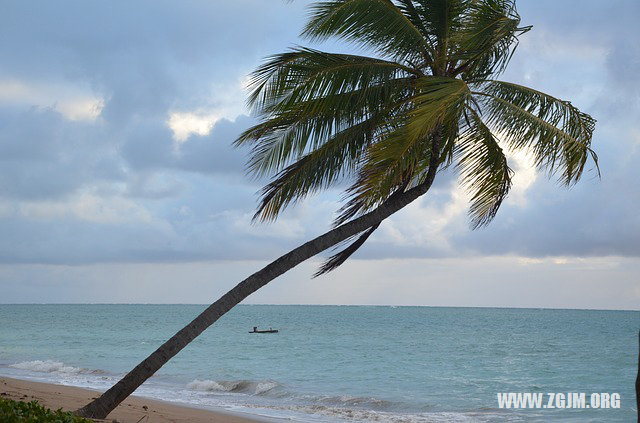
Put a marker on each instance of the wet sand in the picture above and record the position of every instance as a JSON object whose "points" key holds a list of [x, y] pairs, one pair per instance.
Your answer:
{"points": [[132, 410]]}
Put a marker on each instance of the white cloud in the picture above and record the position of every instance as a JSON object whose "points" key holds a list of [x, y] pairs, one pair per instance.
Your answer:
{"points": [[427, 223], [220, 102], [526, 261], [590, 263], [524, 176], [88, 207], [185, 124], [283, 228], [74, 102], [82, 108]]}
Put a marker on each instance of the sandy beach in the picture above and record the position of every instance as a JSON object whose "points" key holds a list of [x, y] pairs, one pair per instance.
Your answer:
{"points": [[132, 410]]}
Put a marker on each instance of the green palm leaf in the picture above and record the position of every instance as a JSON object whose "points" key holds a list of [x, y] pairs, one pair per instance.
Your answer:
{"points": [[302, 73], [558, 134], [488, 39], [378, 24], [308, 124], [484, 170], [442, 20], [401, 155], [317, 170], [310, 96]]}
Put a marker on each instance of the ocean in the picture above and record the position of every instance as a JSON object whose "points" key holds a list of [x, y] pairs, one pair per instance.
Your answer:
{"points": [[340, 363]]}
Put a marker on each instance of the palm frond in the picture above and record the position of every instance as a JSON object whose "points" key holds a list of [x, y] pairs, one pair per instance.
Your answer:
{"points": [[556, 132], [308, 96], [318, 169], [337, 259], [440, 18], [308, 124], [416, 18], [377, 24], [488, 40], [304, 73], [484, 170]]}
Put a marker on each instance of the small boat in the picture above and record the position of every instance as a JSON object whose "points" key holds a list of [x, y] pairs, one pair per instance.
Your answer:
{"points": [[255, 330]]}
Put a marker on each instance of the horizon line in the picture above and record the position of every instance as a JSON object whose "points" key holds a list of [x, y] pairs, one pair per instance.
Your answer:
{"points": [[336, 305]]}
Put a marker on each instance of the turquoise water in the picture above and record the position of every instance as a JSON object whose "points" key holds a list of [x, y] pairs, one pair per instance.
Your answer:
{"points": [[339, 363]]}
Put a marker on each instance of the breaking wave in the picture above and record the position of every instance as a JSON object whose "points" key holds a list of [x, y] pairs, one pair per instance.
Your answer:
{"points": [[272, 389], [50, 366], [235, 386]]}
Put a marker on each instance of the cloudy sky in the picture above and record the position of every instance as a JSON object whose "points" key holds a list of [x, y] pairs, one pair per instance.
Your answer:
{"points": [[118, 182]]}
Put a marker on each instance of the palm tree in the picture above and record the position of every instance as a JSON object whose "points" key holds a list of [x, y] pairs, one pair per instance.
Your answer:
{"points": [[388, 124]]}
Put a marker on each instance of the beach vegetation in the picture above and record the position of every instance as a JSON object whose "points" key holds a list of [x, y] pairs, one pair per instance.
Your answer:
{"points": [[12, 411]]}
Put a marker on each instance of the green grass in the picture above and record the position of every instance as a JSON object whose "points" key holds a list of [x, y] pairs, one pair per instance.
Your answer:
{"points": [[22, 412]]}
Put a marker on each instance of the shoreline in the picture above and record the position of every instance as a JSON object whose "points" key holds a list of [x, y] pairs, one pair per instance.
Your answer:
{"points": [[131, 410]]}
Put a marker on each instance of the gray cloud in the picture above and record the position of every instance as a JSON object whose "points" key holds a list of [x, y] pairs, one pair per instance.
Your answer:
{"points": [[120, 188], [46, 156], [150, 145]]}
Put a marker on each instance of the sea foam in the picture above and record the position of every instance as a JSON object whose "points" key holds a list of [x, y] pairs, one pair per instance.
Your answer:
{"points": [[236, 386], [50, 366]]}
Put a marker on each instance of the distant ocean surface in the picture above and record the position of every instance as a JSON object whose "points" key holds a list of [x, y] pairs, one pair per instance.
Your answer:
{"points": [[339, 363]]}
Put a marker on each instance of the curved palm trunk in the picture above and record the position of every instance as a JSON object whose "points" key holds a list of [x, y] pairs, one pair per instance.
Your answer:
{"points": [[103, 405]]}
